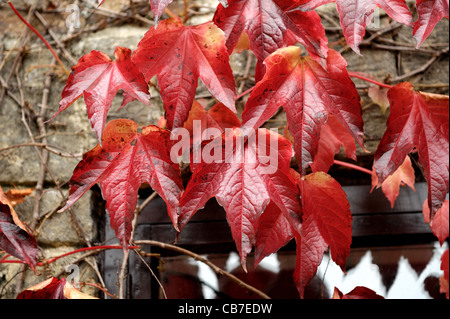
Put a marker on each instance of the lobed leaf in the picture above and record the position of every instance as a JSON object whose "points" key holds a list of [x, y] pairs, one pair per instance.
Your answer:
{"points": [[270, 25], [179, 55], [417, 120], [244, 184], [325, 202], [429, 12], [308, 94], [98, 79], [127, 160], [391, 186], [355, 15]]}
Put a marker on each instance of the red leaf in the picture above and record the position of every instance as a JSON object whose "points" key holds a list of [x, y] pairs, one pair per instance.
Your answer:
{"points": [[218, 116], [274, 232], [308, 94], [52, 288], [310, 248], [324, 201], [158, 7], [332, 136], [243, 184], [430, 12], [444, 280], [179, 55], [417, 120], [126, 160], [98, 78], [357, 293], [16, 241], [391, 186], [439, 225], [355, 15], [270, 25]]}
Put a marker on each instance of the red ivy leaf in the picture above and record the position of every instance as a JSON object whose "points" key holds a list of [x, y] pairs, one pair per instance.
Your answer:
{"points": [[179, 55], [270, 25], [430, 12], [332, 136], [15, 240], [310, 248], [274, 232], [126, 160], [325, 202], [439, 225], [355, 15], [99, 78], [218, 116], [308, 94], [357, 293], [391, 186], [417, 120], [243, 184], [52, 288]]}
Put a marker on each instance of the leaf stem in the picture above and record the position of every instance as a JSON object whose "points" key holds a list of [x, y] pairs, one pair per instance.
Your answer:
{"points": [[245, 93], [349, 165], [367, 78], [40, 37]]}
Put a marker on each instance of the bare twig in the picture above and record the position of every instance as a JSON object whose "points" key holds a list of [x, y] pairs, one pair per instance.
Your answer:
{"points": [[51, 148], [60, 45], [423, 68], [123, 274], [215, 268], [153, 274]]}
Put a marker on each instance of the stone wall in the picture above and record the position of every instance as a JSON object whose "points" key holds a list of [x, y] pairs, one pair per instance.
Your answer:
{"points": [[69, 135]]}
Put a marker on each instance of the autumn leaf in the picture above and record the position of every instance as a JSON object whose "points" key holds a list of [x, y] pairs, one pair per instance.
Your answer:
{"points": [[325, 203], [274, 232], [417, 120], [11, 200], [125, 160], [179, 55], [53, 288], [429, 12], [332, 136], [310, 249], [359, 292], [440, 223], [355, 15], [217, 117], [15, 240], [308, 94], [391, 186], [379, 97], [14, 196], [243, 179], [326, 222], [98, 79], [270, 25]]}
